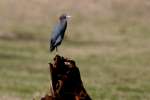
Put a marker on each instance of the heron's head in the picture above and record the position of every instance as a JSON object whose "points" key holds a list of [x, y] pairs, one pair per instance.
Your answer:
{"points": [[64, 17]]}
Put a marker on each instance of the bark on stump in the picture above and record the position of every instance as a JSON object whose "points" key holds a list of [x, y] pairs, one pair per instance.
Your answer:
{"points": [[66, 81]]}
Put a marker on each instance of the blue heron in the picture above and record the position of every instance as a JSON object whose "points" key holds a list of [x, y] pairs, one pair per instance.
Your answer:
{"points": [[58, 32]]}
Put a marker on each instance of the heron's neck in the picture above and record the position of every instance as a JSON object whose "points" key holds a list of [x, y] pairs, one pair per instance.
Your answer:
{"points": [[63, 21]]}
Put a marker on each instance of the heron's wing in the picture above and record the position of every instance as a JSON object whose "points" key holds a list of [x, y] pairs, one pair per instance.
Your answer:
{"points": [[56, 31], [55, 43], [58, 41], [59, 29]]}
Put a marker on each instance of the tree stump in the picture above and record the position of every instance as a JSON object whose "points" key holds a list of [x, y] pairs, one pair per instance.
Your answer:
{"points": [[66, 81]]}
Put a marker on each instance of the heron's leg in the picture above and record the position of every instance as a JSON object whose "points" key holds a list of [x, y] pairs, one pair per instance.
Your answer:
{"points": [[56, 49]]}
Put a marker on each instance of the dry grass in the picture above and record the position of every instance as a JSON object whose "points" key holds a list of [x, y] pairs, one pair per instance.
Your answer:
{"points": [[109, 39]]}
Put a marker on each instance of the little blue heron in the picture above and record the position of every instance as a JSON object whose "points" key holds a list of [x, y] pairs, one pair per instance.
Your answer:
{"points": [[58, 32]]}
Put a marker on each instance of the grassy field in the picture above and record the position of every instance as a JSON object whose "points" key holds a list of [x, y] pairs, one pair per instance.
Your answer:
{"points": [[109, 39]]}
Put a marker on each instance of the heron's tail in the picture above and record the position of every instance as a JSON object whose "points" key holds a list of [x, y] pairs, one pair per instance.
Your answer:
{"points": [[52, 48]]}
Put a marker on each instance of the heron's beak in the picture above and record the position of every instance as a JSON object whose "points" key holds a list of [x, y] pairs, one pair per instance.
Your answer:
{"points": [[68, 16]]}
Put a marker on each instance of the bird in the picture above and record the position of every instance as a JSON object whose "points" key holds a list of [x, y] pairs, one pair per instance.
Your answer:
{"points": [[58, 32]]}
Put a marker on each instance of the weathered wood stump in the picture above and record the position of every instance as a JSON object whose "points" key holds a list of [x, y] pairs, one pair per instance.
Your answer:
{"points": [[66, 81]]}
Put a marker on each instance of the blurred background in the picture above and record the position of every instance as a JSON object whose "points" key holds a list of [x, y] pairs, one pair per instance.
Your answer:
{"points": [[109, 39]]}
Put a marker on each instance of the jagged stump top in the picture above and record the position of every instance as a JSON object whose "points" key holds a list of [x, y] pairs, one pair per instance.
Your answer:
{"points": [[66, 80]]}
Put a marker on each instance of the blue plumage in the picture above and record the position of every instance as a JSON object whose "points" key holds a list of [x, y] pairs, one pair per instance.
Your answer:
{"points": [[58, 33]]}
